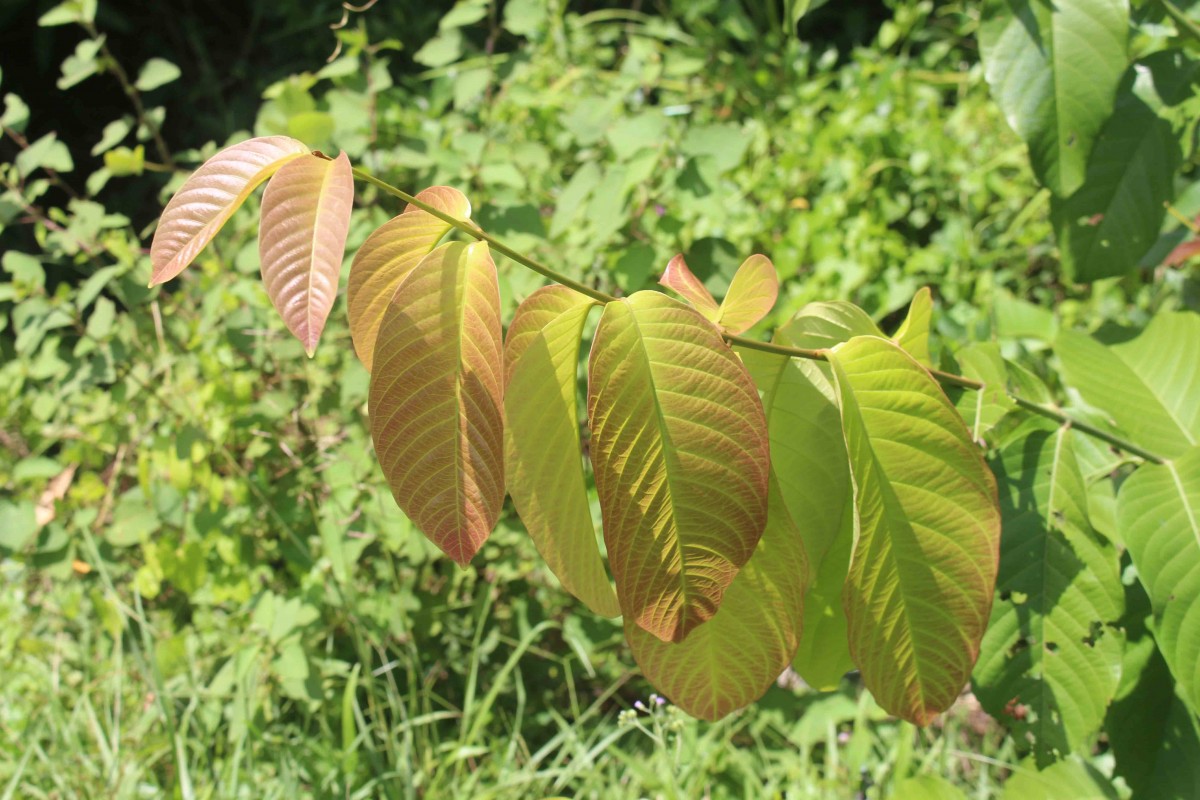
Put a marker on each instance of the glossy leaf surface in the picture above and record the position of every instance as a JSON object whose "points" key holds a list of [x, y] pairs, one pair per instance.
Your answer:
{"points": [[731, 660], [913, 333], [679, 450], [210, 196], [388, 256], [543, 459], [436, 398], [919, 590], [302, 238]]}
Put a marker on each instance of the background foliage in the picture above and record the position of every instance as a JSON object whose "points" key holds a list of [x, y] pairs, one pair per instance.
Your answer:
{"points": [[207, 588]]}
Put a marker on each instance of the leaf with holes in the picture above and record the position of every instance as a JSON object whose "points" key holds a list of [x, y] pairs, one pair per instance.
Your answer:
{"points": [[913, 333], [388, 256], [731, 660], [919, 589], [210, 196], [1052, 647], [543, 458], [1158, 512], [436, 398], [1053, 69], [1148, 385], [302, 238], [680, 454], [751, 295]]}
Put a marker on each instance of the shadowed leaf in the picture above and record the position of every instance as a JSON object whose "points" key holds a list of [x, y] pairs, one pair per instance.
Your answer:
{"points": [[543, 459], [302, 238], [679, 449], [210, 196], [435, 398]]}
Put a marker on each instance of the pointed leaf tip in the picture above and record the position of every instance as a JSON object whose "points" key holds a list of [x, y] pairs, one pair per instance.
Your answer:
{"points": [[679, 279], [436, 398], [210, 196], [679, 449], [751, 295], [302, 239]]}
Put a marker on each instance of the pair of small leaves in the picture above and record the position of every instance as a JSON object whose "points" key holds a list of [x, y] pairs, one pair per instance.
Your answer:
{"points": [[305, 219], [751, 295]]}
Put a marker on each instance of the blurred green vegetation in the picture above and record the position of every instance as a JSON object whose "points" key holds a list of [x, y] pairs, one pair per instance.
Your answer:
{"points": [[206, 589]]}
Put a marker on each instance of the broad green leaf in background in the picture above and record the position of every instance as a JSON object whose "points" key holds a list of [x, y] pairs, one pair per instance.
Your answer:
{"points": [[436, 398], [1106, 226], [1053, 70], [926, 787], [1148, 385], [210, 196], [731, 660], [155, 73], [1072, 778], [827, 324], [388, 256], [921, 577], [1158, 511], [542, 457], [681, 280], [982, 409], [751, 295], [913, 333], [1052, 646], [302, 238], [680, 455]]}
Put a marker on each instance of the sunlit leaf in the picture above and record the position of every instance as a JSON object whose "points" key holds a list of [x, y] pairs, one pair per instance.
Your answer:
{"points": [[913, 333], [210, 196], [1052, 654], [386, 258], [1073, 778], [1158, 511], [984, 408], [731, 660], [679, 450], [919, 590], [679, 279], [436, 398], [1148, 385], [1053, 69], [302, 238], [827, 324], [751, 295], [543, 459]]}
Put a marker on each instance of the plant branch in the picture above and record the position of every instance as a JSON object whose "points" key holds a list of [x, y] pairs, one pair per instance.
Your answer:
{"points": [[944, 378], [1185, 23]]}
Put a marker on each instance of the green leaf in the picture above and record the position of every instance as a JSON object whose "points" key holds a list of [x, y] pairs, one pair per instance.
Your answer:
{"points": [[1053, 69], [18, 524], [751, 295], [82, 64], [731, 660], [985, 408], [1072, 778], [209, 197], [72, 11], [436, 398], [44, 153], [155, 73], [923, 569], [1114, 218], [824, 325], [1052, 647], [680, 454], [573, 196], [114, 132], [388, 256], [926, 787], [1158, 511], [913, 333], [123, 161], [1147, 385], [302, 237], [543, 458]]}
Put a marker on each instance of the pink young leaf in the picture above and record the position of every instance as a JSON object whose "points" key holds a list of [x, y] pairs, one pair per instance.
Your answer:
{"points": [[679, 279]]}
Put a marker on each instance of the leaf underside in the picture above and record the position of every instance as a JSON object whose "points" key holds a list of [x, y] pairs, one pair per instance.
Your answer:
{"points": [[436, 398], [913, 333], [751, 296], [680, 455]]}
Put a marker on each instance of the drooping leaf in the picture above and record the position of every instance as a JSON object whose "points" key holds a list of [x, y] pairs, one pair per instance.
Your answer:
{"points": [[827, 324], [302, 238], [731, 660], [387, 257], [210, 196], [679, 279], [751, 295], [1158, 512], [1053, 69], [1052, 649], [1148, 385], [919, 590], [436, 398], [1106, 226], [1073, 778], [913, 333], [679, 450], [543, 459]]}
